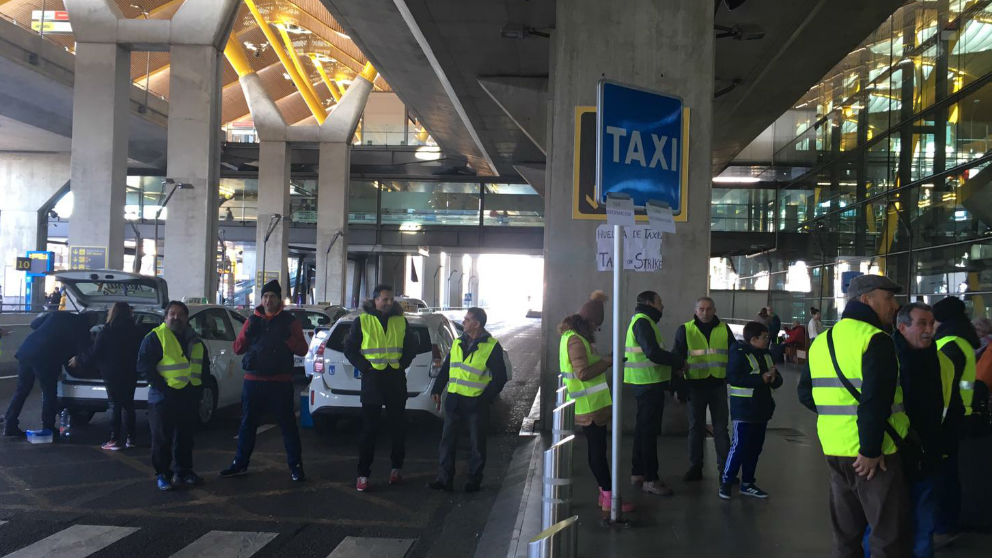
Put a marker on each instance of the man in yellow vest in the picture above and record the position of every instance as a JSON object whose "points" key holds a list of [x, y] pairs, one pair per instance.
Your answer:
{"points": [[474, 373], [381, 347], [956, 340], [648, 368], [174, 361], [867, 480], [704, 343]]}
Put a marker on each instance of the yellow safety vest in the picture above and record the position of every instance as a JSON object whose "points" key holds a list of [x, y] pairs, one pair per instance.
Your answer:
{"points": [[946, 380], [590, 395], [736, 391], [639, 369], [177, 370], [383, 348], [967, 382], [469, 377], [837, 409], [704, 361]]}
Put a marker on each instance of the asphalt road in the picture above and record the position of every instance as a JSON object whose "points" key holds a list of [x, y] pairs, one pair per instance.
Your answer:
{"points": [[100, 503]]}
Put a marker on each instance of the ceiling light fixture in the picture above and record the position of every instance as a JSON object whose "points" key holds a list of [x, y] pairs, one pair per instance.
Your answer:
{"points": [[736, 179]]}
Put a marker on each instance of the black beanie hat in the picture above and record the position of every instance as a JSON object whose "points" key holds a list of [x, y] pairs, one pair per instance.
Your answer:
{"points": [[949, 309], [272, 287]]}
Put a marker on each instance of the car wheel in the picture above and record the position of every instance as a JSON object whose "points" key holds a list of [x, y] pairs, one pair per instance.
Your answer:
{"points": [[81, 418], [324, 424], [207, 407]]}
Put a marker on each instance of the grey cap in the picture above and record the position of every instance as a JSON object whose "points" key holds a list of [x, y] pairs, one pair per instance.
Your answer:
{"points": [[864, 284]]}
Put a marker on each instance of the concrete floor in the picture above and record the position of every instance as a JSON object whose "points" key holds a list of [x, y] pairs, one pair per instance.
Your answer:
{"points": [[794, 521]]}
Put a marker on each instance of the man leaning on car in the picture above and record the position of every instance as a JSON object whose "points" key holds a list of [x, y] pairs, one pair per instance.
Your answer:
{"points": [[381, 347]]}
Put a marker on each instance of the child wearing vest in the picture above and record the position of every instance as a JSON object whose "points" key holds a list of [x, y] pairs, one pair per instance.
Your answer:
{"points": [[752, 377]]}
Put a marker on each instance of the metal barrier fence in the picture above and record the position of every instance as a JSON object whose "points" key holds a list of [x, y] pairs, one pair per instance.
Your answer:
{"points": [[557, 492], [557, 541], [563, 421]]}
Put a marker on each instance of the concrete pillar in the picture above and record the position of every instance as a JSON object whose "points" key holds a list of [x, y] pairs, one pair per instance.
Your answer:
{"points": [[99, 148], [273, 199], [472, 283], [334, 165], [194, 158], [28, 181], [392, 271], [430, 277], [455, 278], [664, 46]]}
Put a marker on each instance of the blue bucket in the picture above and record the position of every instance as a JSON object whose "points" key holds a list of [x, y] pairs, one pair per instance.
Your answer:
{"points": [[39, 436]]}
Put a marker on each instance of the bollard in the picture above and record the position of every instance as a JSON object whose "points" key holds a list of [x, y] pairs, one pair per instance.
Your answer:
{"points": [[561, 395], [557, 490], [558, 541], [563, 423]]}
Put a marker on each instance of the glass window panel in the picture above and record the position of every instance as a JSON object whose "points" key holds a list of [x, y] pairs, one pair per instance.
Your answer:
{"points": [[362, 201], [415, 203], [515, 205]]}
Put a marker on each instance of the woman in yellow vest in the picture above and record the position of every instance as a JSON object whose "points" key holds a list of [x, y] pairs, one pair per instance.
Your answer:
{"points": [[584, 374], [174, 361]]}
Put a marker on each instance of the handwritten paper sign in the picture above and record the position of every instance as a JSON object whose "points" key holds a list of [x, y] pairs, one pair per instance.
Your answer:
{"points": [[641, 248]]}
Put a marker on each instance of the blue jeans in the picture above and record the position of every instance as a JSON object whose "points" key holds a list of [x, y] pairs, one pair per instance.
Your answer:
{"points": [[258, 398], [749, 438], [924, 501]]}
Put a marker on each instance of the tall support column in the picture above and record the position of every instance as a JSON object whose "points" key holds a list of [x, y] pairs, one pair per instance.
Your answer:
{"points": [[332, 222], [194, 158], [472, 284], [99, 148], [273, 200], [455, 277], [430, 279], [663, 46]]}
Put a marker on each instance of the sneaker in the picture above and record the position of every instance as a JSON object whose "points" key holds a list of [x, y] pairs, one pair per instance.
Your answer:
{"points": [[112, 445], [657, 487], [636, 480], [188, 478], [440, 485], [724, 492], [129, 443], [234, 470], [473, 486], [162, 481], [695, 473], [606, 502], [362, 484], [297, 474], [395, 477], [750, 489], [13, 432]]}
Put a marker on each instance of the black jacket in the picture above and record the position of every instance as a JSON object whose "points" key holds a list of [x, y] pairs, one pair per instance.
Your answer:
{"points": [[57, 337], [644, 335], [681, 348], [495, 365], [760, 406], [115, 352], [919, 376], [879, 373], [150, 353], [353, 343], [954, 423]]}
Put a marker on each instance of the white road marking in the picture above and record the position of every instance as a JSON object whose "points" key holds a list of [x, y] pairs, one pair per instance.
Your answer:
{"points": [[8, 377], [226, 544], [368, 547], [77, 541]]}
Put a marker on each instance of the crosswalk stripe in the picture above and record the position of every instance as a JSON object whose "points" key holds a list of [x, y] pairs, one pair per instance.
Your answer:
{"points": [[228, 544], [77, 541], [368, 547]]}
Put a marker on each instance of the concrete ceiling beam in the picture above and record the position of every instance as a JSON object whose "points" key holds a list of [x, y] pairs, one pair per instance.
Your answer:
{"points": [[534, 173], [196, 22], [525, 101]]}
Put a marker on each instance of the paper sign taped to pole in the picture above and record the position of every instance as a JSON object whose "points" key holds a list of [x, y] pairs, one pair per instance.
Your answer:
{"points": [[660, 216], [641, 248]]}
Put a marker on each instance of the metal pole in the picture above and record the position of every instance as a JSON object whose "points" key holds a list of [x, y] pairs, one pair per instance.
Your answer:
{"points": [[557, 491], [558, 541], [615, 504]]}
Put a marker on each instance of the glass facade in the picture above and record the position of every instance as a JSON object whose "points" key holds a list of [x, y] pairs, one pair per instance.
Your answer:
{"points": [[884, 168]]}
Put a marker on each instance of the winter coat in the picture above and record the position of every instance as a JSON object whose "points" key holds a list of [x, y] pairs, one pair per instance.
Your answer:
{"points": [[760, 406], [115, 352], [57, 337], [281, 324]]}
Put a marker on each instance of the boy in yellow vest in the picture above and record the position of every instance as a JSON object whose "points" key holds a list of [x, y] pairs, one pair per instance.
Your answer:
{"points": [[474, 373]]}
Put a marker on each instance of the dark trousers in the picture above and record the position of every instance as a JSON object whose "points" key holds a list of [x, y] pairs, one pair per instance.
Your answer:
{"points": [[382, 388], [120, 398], [597, 445], [650, 406], [473, 413], [923, 499], [881, 503], [173, 423], [712, 394], [257, 399], [948, 496], [47, 375], [749, 438]]}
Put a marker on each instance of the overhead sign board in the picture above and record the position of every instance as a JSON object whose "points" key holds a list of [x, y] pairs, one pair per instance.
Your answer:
{"points": [[641, 137], [87, 257], [23, 264], [54, 21], [261, 279], [41, 263]]}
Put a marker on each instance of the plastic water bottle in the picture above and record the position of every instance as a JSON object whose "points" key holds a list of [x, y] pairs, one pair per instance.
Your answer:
{"points": [[65, 425]]}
